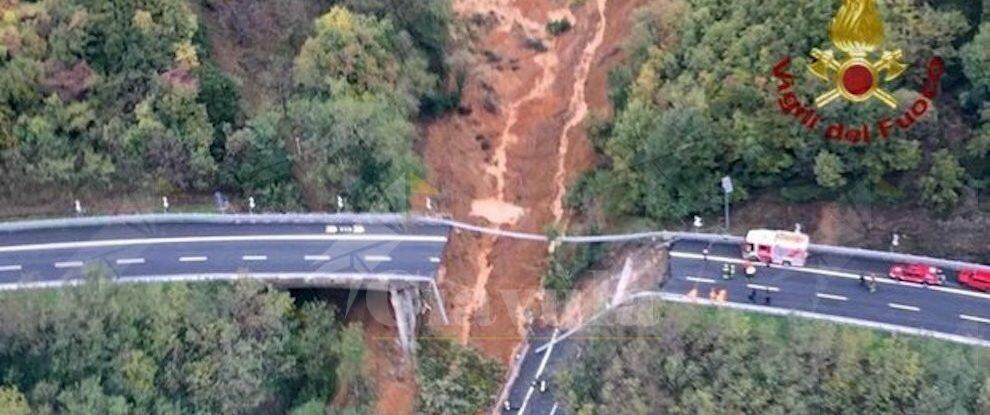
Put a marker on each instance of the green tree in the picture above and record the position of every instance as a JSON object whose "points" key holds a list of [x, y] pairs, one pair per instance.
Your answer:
{"points": [[941, 186], [354, 54], [976, 61], [665, 163], [174, 134], [686, 360], [714, 60], [828, 170], [258, 163], [173, 349], [454, 379], [356, 147], [13, 402]]}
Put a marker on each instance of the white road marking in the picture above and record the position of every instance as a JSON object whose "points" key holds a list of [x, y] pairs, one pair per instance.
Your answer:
{"points": [[10, 268], [903, 307], [379, 281], [226, 238], [69, 264], [831, 297], [317, 257], [974, 318], [377, 258], [539, 371], [763, 288], [254, 258], [130, 261], [680, 298], [434, 260], [192, 259], [701, 280], [831, 273], [554, 409]]}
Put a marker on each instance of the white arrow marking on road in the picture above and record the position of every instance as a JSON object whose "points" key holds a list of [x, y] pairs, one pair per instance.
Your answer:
{"points": [[10, 268], [831, 297], [701, 280], [903, 307], [130, 261], [254, 258], [317, 257], [763, 288], [377, 258], [192, 259], [69, 264], [434, 260], [974, 318]]}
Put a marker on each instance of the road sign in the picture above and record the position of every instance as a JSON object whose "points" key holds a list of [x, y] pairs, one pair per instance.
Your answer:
{"points": [[727, 185]]}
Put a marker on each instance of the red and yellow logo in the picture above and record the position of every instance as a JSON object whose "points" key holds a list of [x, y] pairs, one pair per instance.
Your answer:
{"points": [[857, 32], [855, 73]]}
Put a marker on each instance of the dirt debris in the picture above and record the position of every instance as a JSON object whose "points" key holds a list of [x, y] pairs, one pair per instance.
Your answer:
{"points": [[532, 125]]}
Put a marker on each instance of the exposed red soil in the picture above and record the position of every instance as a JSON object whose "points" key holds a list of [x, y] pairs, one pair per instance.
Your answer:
{"points": [[503, 159]]}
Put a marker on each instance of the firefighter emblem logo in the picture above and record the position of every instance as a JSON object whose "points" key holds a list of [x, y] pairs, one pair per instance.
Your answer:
{"points": [[857, 32]]}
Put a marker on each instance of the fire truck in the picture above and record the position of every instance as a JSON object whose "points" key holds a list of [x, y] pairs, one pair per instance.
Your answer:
{"points": [[777, 247]]}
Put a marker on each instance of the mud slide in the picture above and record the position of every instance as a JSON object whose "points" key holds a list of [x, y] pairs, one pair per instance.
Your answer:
{"points": [[505, 158]]}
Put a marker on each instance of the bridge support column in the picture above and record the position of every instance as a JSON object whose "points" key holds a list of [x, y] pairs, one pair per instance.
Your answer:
{"points": [[406, 304]]}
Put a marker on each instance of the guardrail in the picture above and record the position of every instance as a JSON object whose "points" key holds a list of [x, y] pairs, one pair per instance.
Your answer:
{"points": [[266, 218], [394, 218]]}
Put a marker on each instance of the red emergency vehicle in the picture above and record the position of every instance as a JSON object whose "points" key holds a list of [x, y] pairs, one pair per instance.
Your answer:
{"points": [[976, 279], [777, 247], [917, 273]]}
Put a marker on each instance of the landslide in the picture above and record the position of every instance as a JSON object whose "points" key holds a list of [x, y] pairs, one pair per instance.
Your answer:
{"points": [[504, 158]]}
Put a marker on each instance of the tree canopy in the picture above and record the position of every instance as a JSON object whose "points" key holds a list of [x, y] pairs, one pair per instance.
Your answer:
{"points": [[689, 360], [97, 92], [697, 101], [172, 349]]}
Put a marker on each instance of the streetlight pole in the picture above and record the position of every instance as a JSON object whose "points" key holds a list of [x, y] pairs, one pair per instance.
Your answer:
{"points": [[727, 189]]}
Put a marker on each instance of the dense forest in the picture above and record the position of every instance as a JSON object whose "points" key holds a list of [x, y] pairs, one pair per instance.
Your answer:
{"points": [[105, 348], [697, 101], [123, 95], [690, 360]]}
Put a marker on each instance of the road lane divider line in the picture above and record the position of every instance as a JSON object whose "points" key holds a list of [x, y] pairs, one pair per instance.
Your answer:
{"points": [[434, 260], [192, 259], [893, 328], [975, 318], [317, 257], [832, 297], [10, 268], [701, 280], [539, 371], [225, 238], [903, 307], [832, 273], [130, 261], [254, 258], [69, 264], [377, 258], [763, 288]]}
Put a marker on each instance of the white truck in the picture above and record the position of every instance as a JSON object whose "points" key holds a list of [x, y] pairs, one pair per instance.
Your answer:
{"points": [[777, 247]]}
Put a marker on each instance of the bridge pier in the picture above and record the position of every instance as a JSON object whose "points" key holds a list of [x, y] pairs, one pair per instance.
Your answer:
{"points": [[406, 304]]}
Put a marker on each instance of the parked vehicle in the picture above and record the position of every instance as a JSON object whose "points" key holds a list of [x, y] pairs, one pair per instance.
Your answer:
{"points": [[976, 279], [917, 273], [777, 247]]}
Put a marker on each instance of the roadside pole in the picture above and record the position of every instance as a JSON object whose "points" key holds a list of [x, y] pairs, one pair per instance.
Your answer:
{"points": [[727, 189]]}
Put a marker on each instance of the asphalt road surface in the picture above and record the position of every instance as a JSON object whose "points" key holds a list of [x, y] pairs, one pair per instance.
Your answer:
{"points": [[162, 250], [828, 285]]}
